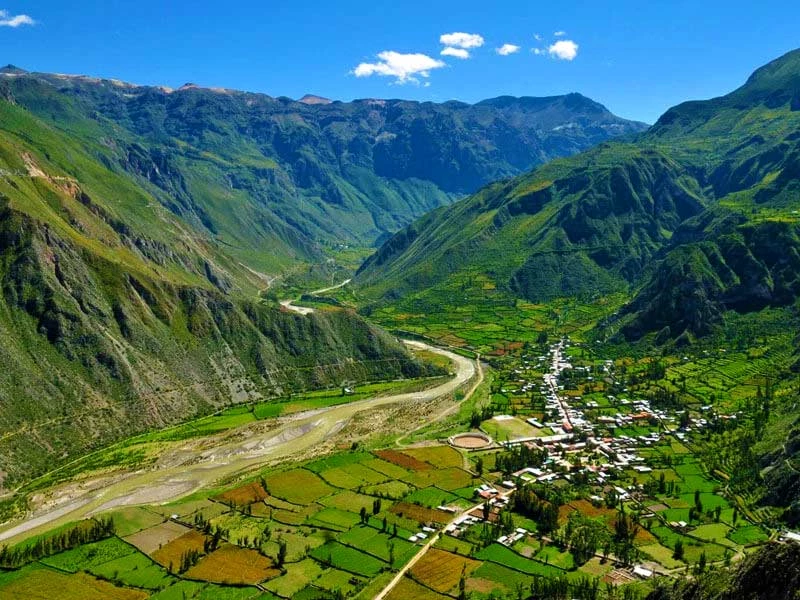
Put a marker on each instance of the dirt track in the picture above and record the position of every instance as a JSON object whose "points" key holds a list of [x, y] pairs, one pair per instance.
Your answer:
{"points": [[196, 464]]}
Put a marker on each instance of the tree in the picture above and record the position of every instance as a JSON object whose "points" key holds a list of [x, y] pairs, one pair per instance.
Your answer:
{"points": [[487, 508], [281, 552], [376, 506], [701, 563], [462, 583], [677, 553], [364, 517], [479, 467]]}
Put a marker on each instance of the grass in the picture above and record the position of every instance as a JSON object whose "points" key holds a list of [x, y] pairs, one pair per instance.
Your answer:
{"points": [[131, 520], [352, 476], [438, 456], [353, 502], [661, 555], [88, 556], [333, 580], [379, 545], [298, 486], [493, 576], [192, 590], [509, 429], [747, 535], [37, 583], [297, 576], [509, 558], [348, 559], [431, 497], [335, 518], [391, 489], [451, 478], [135, 570]]}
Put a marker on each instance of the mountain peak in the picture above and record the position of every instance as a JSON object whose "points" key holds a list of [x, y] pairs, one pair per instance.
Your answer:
{"points": [[312, 99], [10, 69], [779, 72]]}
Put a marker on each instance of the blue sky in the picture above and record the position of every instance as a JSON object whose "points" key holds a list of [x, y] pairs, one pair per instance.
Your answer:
{"points": [[637, 58]]}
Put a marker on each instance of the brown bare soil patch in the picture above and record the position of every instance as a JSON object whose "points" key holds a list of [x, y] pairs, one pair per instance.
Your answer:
{"points": [[150, 540], [441, 571], [242, 496], [403, 460], [234, 565], [588, 509], [172, 553], [421, 514], [408, 589]]}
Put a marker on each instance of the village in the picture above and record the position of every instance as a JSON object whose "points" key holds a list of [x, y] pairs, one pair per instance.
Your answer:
{"points": [[613, 452]]}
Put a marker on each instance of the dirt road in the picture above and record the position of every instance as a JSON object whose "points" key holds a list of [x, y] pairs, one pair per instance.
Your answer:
{"points": [[304, 310], [196, 464]]}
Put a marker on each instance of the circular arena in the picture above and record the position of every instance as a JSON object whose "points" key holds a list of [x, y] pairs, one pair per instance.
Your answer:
{"points": [[470, 441]]}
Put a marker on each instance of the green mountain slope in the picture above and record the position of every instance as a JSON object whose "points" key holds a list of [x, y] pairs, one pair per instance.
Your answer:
{"points": [[256, 171], [707, 196], [690, 223], [116, 316], [769, 574]]}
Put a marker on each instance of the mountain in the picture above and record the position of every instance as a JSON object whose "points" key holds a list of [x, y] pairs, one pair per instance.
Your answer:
{"points": [[694, 217], [258, 172], [118, 316], [694, 223], [139, 226], [768, 574]]}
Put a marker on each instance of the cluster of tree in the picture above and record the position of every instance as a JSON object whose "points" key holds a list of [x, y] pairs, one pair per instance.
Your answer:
{"points": [[479, 416], [626, 528], [83, 533], [583, 537], [527, 503], [518, 458], [664, 399], [491, 530], [188, 560], [212, 543], [583, 588]]}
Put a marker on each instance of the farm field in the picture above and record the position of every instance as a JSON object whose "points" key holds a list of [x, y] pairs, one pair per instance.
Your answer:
{"points": [[346, 523]]}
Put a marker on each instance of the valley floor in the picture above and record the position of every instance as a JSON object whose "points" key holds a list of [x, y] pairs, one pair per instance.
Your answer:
{"points": [[187, 467]]}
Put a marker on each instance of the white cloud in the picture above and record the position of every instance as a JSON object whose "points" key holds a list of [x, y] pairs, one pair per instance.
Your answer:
{"points": [[559, 34], [507, 49], [537, 51], [537, 37], [563, 50], [8, 20], [459, 39], [403, 67], [456, 52]]}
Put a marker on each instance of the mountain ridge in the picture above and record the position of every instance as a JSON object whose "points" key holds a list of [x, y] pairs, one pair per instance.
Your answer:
{"points": [[618, 207]]}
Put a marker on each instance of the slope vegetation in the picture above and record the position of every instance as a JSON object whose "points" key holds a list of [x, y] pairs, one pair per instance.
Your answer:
{"points": [[696, 216], [115, 317]]}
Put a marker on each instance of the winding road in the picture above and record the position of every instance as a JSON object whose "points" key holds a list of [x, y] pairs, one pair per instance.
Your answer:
{"points": [[193, 465], [304, 310]]}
